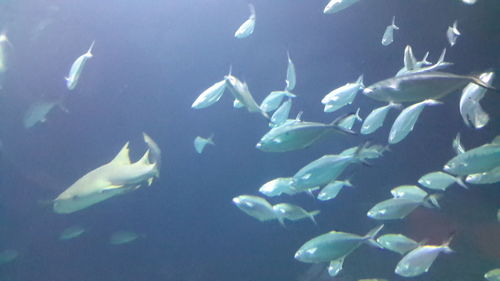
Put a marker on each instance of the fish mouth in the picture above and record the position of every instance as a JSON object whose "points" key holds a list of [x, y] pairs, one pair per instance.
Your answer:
{"points": [[367, 91], [258, 145], [446, 168], [236, 200]]}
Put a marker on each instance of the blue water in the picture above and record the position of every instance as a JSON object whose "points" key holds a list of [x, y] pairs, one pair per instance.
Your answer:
{"points": [[151, 60]]}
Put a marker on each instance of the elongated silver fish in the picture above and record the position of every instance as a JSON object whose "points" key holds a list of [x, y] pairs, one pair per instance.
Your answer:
{"points": [[477, 160], [255, 206], [77, 68], [246, 28], [470, 108], [388, 36], [242, 94], [417, 87]]}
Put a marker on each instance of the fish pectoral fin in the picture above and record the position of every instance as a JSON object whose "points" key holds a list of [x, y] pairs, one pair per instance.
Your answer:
{"points": [[112, 187]]}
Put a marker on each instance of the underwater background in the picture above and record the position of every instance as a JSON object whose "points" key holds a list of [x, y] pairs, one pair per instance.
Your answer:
{"points": [[151, 60]]}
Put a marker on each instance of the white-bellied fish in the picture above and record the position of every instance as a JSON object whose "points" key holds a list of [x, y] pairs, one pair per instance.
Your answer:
{"points": [[399, 208], [342, 96], [246, 29], [335, 6], [242, 94], [210, 96], [411, 192], [376, 118], [291, 78], [114, 178], [256, 207], [334, 245], [416, 87], [348, 123], [388, 36], [200, 143], [477, 160], [123, 237], [274, 99], [297, 135], [406, 120], [397, 243], [490, 177], [493, 275], [331, 190], [440, 181], [420, 259], [452, 34], [71, 232], [457, 145], [470, 108], [77, 68], [293, 212], [277, 186], [281, 114]]}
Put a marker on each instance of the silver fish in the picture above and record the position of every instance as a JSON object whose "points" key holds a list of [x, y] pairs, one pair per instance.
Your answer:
{"points": [[457, 145], [470, 109], [452, 34], [440, 181], [210, 96], [293, 212], [397, 243], [281, 114], [335, 6], [77, 68], [255, 206], [411, 192], [348, 123], [388, 37], [490, 177], [123, 237], [246, 29], [274, 99], [297, 135], [477, 160], [291, 78], [406, 120], [416, 87], [342, 96], [72, 232], [493, 275], [200, 143], [420, 259], [376, 118], [277, 187], [242, 94], [398, 208], [334, 245], [331, 190]]}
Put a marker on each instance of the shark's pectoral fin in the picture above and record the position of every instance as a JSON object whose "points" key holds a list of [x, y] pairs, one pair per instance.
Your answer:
{"points": [[112, 187]]}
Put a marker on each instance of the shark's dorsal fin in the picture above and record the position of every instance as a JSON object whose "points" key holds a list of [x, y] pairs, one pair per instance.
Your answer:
{"points": [[122, 157], [144, 159]]}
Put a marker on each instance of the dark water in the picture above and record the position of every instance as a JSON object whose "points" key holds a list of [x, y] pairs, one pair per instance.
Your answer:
{"points": [[151, 60]]}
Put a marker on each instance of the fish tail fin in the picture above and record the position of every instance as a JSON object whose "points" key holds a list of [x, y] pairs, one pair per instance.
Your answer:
{"points": [[89, 52], [4, 38], [230, 70], [360, 81], [252, 11], [372, 234], [347, 182], [357, 115], [455, 28], [460, 182], [312, 214], [441, 61], [299, 116], [145, 158], [447, 242], [433, 199], [281, 220], [210, 139], [310, 192], [335, 123], [424, 59], [481, 83], [358, 154], [393, 23]]}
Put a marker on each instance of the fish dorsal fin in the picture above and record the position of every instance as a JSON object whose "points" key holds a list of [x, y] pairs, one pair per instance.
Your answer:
{"points": [[122, 157], [144, 159], [89, 52]]}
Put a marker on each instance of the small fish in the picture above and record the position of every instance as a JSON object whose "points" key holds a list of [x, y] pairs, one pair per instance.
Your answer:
{"points": [[335, 6], [416, 87], [493, 275], [297, 135], [242, 94], [7, 256], [367, 152], [477, 160], [77, 68], [342, 96], [331, 190], [489, 177], [452, 34], [440, 181], [411, 192], [72, 232], [397, 243], [406, 120], [274, 99], [457, 145], [334, 245], [277, 186], [200, 143], [375, 119], [348, 123], [325, 169], [420, 259], [470, 109], [290, 74], [388, 37], [123, 237], [399, 208], [335, 267], [246, 29], [38, 111], [256, 207], [281, 114], [210, 95], [293, 212]]}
